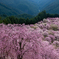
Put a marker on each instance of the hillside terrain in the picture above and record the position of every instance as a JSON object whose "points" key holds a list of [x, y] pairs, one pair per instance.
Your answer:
{"points": [[24, 16], [42, 3], [4, 9], [25, 6], [31, 7], [53, 7]]}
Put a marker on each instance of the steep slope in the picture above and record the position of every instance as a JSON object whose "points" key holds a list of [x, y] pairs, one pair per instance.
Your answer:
{"points": [[24, 5], [53, 7], [4, 9], [32, 7], [42, 3]]}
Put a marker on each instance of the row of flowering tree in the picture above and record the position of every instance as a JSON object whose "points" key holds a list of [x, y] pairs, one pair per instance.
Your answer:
{"points": [[38, 41]]}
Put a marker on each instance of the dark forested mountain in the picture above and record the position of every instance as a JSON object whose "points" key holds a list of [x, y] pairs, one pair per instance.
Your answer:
{"points": [[53, 7], [42, 3], [4, 9], [25, 6], [32, 7], [24, 16]]}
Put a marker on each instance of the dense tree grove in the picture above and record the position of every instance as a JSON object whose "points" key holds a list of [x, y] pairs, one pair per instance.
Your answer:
{"points": [[34, 41], [15, 20]]}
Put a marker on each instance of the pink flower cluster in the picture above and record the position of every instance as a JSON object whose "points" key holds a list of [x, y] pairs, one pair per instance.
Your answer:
{"points": [[35, 41]]}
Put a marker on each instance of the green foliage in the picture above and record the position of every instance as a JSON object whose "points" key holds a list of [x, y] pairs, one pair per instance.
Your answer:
{"points": [[21, 20], [25, 16], [27, 21], [39, 17], [0, 18], [42, 14]]}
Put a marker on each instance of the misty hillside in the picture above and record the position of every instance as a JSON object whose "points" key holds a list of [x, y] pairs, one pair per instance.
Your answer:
{"points": [[42, 3], [31, 7], [25, 6], [53, 7], [4, 9]]}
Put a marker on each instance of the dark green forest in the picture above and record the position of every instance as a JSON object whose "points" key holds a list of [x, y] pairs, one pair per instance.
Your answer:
{"points": [[27, 20]]}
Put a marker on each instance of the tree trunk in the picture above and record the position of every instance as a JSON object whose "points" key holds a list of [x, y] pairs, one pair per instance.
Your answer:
{"points": [[19, 57], [2, 57]]}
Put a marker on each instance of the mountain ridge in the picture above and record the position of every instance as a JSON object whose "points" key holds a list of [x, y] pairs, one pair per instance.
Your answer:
{"points": [[24, 5], [53, 7]]}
